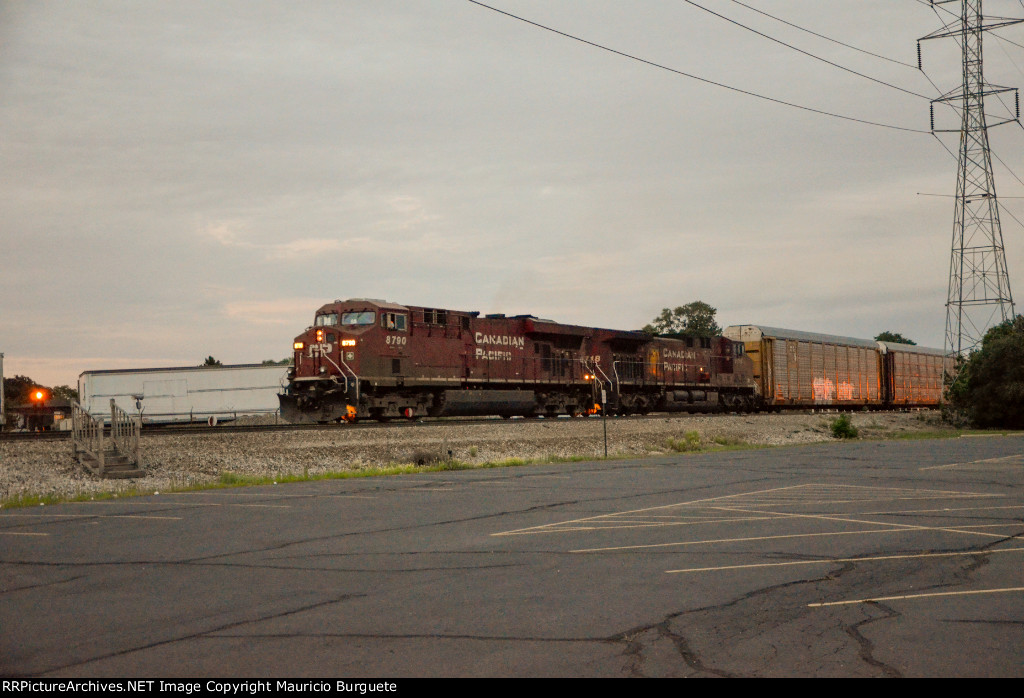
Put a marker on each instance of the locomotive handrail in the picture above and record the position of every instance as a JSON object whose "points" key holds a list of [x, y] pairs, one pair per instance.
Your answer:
{"points": [[601, 370], [354, 376], [587, 364]]}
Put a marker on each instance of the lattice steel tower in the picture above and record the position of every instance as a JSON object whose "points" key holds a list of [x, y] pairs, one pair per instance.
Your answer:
{"points": [[979, 286]]}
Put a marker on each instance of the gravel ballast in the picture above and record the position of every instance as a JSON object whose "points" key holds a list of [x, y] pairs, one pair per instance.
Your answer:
{"points": [[46, 468]]}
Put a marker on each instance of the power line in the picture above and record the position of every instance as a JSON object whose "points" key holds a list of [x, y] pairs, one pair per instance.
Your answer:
{"points": [[822, 36], [692, 76], [806, 53], [1009, 213]]}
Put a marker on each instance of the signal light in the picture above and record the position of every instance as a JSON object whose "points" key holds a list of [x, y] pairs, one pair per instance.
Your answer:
{"points": [[319, 335], [39, 395]]}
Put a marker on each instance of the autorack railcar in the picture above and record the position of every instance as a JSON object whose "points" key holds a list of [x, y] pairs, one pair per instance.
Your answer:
{"points": [[806, 369]]}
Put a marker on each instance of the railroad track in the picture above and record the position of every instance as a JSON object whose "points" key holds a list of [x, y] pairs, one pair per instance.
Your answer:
{"points": [[187, 429], [190, 429]]}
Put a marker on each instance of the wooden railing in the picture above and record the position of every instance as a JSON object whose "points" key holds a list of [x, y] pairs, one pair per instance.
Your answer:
{"points": [[92, 447], [87, 441], [124, 432]]}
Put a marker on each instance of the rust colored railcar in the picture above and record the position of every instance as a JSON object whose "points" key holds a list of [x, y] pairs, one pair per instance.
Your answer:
{"points": [[366, 358], [806, 369], [914, 375]]}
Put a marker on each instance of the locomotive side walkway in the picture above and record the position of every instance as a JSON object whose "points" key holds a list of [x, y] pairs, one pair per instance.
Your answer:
{"points": [[842, 559]]}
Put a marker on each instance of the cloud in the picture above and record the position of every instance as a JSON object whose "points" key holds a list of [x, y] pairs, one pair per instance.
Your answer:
{"points": [[290, 312], [229, 235]]}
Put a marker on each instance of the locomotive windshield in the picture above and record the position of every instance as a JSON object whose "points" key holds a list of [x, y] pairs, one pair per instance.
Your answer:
{"points": [[327, 319], [366, 317]]}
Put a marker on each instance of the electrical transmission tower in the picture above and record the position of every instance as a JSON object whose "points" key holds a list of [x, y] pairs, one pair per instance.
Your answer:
{"points": [[979, 286]]}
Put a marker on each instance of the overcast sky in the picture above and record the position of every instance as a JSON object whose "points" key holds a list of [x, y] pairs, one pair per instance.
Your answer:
{"points": [[195, 178]]}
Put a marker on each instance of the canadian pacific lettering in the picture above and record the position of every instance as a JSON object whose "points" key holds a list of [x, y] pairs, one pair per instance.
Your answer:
{"points": [[492, 355], [500, 340]]}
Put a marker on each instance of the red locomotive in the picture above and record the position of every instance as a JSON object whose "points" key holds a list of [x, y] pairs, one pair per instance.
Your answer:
{"points": [[365, 358]]}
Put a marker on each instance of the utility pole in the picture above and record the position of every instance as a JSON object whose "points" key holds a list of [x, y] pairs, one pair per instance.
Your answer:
{"points": [[979, 285]]}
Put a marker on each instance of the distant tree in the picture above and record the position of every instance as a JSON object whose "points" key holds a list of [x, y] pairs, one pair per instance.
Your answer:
{"points": [[287, 361], [888, 336], [17, 388], [696, 319], [989, 389], [210, 361], [64, 392]]}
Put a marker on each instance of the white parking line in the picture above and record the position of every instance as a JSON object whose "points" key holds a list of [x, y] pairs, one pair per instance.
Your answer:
{"points": [[841, 559], [1007, 590], [1016, 459], [735, 540], [16, 533], [845, 519], [542, 527]]}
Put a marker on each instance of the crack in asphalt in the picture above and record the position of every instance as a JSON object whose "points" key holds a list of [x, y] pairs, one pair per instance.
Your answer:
{"points": [[203, 633], [253, 566], [866, 647], [398, 529], [633, 647], [42, 584], [412, 636]]}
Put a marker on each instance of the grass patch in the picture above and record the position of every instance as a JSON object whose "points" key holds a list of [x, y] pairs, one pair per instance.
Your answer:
{"points": [[842, 428], [689, 442]]}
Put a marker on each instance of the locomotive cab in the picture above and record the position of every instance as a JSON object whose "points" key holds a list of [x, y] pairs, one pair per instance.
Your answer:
{"points": [[350, 347]]}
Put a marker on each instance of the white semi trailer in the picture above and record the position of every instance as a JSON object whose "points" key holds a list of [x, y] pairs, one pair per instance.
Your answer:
{"points": [[207, 394]]}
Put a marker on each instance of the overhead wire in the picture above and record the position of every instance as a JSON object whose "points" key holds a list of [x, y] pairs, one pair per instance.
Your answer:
{"points": [[822, 36], [806, 53], [692, 76]]}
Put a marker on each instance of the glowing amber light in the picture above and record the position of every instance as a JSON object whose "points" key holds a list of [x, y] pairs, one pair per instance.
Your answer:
{"points": [[319, 335], [39, 395], [348, 342], [298, 345]]}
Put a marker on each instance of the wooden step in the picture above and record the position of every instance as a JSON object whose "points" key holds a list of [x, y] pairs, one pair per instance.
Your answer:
{"points": [[115, 466]]}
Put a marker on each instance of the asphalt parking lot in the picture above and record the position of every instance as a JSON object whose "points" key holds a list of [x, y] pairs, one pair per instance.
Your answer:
{"points": [[901, 558]]}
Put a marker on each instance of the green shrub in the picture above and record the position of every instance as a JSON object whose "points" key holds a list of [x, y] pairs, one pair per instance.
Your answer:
{"points": [[689, 442], [989, 390], [842, 428], [729, 441]]}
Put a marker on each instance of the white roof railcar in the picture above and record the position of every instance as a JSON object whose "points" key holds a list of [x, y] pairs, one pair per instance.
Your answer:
{"points": [[187, 394]]}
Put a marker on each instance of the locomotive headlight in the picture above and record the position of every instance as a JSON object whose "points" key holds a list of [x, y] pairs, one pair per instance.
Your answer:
{"points": [[299, 346], [348, 342], [319, 335]]}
